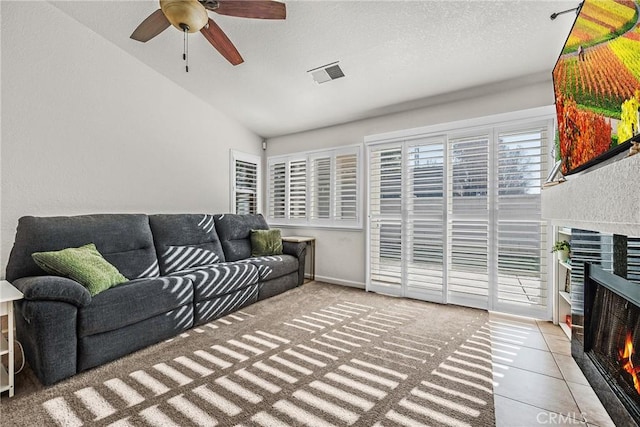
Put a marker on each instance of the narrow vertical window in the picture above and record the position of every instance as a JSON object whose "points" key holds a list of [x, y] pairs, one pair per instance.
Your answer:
{"points": [[245, 178]]}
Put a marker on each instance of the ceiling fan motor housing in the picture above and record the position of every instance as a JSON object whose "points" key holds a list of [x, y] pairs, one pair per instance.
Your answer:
{"points": [[181, 13]]}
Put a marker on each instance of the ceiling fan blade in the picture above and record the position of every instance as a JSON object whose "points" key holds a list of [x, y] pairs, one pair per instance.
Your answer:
{"points": [[221, 42], [259, 9], [151, 27]]}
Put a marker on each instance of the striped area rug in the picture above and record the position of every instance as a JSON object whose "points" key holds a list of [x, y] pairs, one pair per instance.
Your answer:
{"points": [[318, 355]]}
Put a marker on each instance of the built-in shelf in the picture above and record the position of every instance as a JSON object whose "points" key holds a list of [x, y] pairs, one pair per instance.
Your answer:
{"points": [[566, 329], [562, 282]]}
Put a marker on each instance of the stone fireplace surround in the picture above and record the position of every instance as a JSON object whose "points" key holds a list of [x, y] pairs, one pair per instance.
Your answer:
{"points": [[605, 200]]}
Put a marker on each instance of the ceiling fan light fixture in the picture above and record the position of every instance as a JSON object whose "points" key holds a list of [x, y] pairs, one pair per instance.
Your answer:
{"points": [[189, 14]]}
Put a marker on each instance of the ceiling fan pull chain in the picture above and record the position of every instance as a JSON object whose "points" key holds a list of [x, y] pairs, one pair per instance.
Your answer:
{"points": [[185, 47]]}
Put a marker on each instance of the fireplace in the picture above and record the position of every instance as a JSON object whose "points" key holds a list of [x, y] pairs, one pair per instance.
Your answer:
{"points": [[606, 342]]}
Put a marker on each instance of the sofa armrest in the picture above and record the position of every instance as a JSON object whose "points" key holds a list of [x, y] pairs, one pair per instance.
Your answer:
{"points": [[294, 248], [298, 250], [53, 288]]}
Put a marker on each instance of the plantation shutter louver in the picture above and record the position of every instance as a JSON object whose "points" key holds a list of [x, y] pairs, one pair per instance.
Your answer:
{"points": [[246, 187], [633, 259], [425, 202], [321, 188], [345, 200], [385, 226], [522, 259], [469, 221], [298, 189], [277, 190]]}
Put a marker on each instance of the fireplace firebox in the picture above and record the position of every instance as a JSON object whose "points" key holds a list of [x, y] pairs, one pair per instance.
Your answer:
{"points": [[606, 342]]}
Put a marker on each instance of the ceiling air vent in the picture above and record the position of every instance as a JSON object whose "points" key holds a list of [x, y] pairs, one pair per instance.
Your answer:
{"points": [[326, 73]]}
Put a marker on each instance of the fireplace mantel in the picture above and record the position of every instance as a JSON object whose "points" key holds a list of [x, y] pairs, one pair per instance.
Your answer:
{"points": [[605, 200]]}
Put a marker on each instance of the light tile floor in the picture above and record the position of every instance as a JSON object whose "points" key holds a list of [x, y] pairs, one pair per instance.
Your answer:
{"points": [[537, 382]]}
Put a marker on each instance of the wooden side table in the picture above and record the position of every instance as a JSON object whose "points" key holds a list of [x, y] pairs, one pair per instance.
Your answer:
{"points": [[311, 246], [8, 294]]}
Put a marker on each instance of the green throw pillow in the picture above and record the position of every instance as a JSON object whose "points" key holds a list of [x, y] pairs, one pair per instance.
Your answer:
{"points": [[85, 265], [266, 242]]}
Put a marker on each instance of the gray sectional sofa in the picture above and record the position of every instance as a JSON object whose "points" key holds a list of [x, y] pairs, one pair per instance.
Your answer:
{"points": [[183, 270]]}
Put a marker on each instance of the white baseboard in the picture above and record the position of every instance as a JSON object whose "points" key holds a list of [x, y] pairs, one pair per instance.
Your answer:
{"points": [[342, 282]]}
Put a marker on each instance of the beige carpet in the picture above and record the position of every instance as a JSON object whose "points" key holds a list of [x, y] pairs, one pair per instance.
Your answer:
{"points": [[319, 355]]}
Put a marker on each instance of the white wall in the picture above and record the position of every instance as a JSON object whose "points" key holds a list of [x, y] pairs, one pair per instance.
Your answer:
{"points": [[341, 254], [87, 128]]}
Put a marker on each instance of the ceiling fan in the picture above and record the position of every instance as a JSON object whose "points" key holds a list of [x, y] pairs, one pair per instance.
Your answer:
{"points": [[190, 16]]}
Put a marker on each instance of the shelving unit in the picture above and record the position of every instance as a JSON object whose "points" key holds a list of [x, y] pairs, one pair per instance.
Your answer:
{"points": [[562, 284], [8, 294]]}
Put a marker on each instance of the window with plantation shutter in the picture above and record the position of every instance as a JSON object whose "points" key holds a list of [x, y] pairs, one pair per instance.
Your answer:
{"points": [[277, 190], [245, 178], [319, 188], [455, 215]]}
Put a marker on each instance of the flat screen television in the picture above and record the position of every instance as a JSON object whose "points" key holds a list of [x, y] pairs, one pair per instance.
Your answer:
{"points": [[597, 84]]}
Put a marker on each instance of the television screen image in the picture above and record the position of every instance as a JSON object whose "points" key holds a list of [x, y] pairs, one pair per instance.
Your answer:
{"points": [[597, 83]]}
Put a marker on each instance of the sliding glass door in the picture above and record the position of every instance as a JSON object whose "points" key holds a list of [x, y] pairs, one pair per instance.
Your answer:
{"points": [[407, 210], [455, 218]]}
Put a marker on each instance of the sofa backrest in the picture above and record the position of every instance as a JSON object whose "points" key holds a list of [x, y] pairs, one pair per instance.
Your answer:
{"points": [[185, 241], [234, 232], [124, 240]]}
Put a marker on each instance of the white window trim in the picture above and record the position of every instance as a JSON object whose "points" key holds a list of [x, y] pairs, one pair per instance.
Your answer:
{"points": [[543, 116], [235, 156], [309, 156]]}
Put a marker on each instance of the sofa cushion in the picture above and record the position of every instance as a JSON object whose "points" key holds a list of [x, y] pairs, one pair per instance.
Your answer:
{"points": [[133, 302], [185, 241], [97, 349], [205, 311], [85, 265], [266, 242], [272, 288], [219, 279], [124, 240], [235, 233], [274, 266]]}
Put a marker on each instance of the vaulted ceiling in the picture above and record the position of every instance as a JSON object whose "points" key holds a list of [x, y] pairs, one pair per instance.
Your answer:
{"points": [[395, 54]]}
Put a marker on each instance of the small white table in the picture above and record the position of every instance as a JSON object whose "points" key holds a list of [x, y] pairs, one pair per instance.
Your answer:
{"points": [[8, 294], [311, 245]]}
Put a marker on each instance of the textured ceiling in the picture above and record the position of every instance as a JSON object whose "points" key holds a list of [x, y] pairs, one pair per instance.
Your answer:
{"points": [[395, 54]]}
